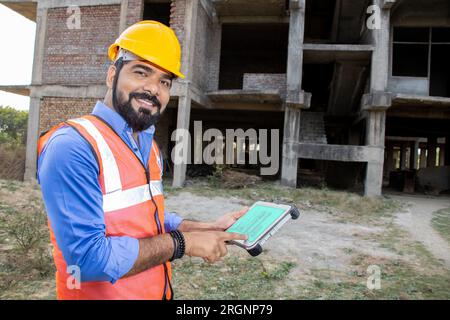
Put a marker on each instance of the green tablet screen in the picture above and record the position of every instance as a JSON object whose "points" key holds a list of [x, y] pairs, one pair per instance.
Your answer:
{"points": [[256, 221]]}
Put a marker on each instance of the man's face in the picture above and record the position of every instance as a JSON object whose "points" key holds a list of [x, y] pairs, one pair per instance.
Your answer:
{"points": [[143, 92]]}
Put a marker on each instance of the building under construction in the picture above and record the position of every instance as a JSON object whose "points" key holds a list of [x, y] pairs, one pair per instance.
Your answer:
{"points": [[359, 89]]}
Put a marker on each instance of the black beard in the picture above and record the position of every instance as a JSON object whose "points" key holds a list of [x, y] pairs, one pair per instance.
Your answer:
{"points": [[142, 119]]}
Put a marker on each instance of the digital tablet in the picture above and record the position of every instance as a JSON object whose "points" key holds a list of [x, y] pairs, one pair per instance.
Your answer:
{"points": [[260, 222]]}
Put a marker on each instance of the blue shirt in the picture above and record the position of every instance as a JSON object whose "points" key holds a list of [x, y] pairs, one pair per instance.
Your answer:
{"points": [[68, 175]]}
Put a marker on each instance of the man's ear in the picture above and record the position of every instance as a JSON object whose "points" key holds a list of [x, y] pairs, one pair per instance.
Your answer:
{"points": [[110, 76]]}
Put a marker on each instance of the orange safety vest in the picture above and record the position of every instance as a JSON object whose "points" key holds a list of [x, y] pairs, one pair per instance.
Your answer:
{"points": [[133, 205]]}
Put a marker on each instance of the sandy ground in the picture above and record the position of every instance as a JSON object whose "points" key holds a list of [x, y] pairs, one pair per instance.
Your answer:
{"points": [[416, 220], [314, 241]]}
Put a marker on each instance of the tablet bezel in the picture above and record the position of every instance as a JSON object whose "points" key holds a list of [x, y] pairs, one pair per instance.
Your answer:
{"points": [[243, 243]]}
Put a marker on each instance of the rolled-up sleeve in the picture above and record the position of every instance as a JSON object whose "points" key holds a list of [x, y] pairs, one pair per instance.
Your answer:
{"points": [[68, 175], [171, 221]]}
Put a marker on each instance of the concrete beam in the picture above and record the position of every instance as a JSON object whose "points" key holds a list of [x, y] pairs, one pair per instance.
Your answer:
{"points": [[46, 4], [376, 101], [410, 99], [88, 91], [17, 89], [242, 96], [198, 96], [295, 99], [253, 19], [388, 4], [295, 4], [24, 8], [338, 47], [334, 152]]}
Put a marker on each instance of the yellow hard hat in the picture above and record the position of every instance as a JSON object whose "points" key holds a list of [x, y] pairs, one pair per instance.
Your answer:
{"points": [[153, 42]]}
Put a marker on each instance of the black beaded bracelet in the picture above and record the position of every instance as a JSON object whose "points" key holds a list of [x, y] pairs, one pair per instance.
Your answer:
{"points": [[175, 246], [179, 244]]}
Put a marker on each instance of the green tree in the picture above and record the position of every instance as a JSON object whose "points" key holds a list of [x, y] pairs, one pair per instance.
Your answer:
{"points": [[13, 125]]}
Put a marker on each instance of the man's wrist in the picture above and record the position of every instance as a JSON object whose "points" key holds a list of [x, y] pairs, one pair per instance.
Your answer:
{"points": [[190, 225]]}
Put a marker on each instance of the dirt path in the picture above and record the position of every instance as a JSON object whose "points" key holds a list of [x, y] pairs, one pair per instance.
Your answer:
{"points": [[416, 220], [314, 241]]}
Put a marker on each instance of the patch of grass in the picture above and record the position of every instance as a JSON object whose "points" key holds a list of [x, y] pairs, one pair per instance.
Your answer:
{"points": [[398, 280], [232, 278], [441, 223], [25, 251]]}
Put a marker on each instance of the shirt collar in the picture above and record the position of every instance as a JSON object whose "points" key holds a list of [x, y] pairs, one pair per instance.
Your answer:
{"points": [[114, 119]]}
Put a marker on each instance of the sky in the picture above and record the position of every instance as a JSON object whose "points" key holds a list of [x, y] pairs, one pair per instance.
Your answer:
{"points": [[17, 35]]}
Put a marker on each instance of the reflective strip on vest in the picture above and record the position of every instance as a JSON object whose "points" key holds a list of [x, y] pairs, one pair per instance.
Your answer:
{"points": [[110, 169], [123, 199]]}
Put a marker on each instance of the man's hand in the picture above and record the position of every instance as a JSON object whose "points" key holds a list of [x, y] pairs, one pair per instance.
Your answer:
{"points": [[209, 245], [228, 219]]}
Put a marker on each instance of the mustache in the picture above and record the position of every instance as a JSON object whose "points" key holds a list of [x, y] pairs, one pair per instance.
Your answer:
{"points": [[146, 96]]}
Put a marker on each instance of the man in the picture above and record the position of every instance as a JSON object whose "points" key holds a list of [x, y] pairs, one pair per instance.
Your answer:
{"points": [[101, 182]]}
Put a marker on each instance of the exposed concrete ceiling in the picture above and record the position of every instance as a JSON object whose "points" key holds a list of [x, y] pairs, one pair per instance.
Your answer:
{"points": [[25, 8], [415, 12], [250, 7], [335, 21], [351, 16]]}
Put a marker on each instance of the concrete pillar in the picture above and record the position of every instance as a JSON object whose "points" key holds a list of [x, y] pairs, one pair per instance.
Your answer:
{"points": [[291, 137], [289, 161], [376, 119], [183, 118], [431, 146], [447, 151], [423, 157], [184, 102], [414, 154], [34, 111], [375, 135]]}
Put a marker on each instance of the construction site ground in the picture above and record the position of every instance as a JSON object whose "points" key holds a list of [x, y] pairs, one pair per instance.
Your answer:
{"points": [[330, 252]]}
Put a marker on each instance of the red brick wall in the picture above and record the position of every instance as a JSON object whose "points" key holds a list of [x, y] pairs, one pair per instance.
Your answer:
{"points": [[79, 56], [54, 110]]}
